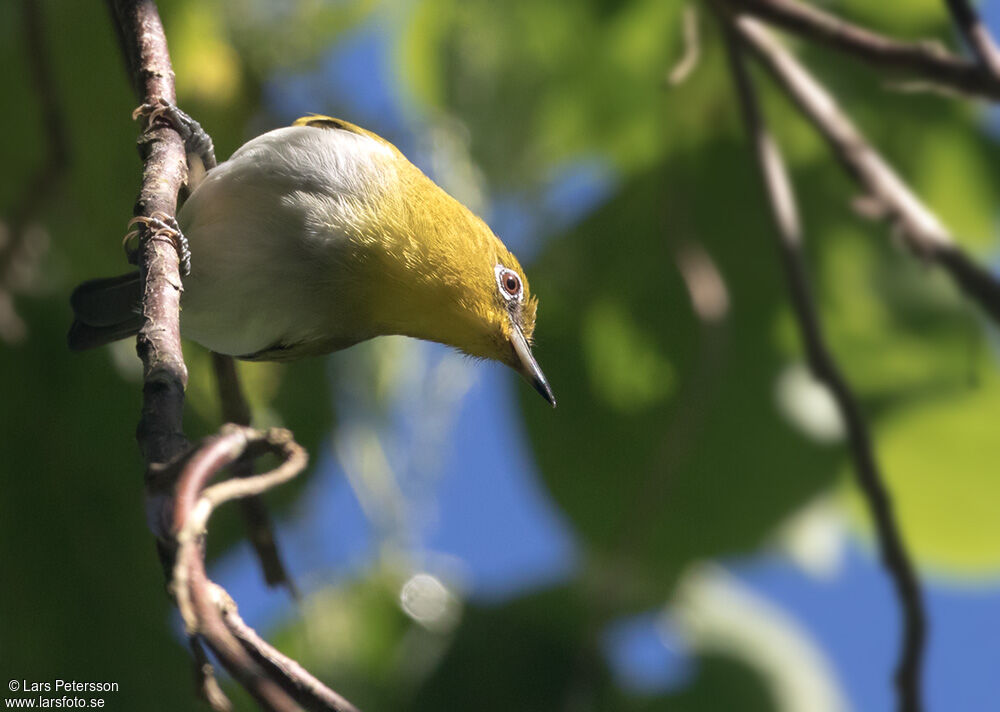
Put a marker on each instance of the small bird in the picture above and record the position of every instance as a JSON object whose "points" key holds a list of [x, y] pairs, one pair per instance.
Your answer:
{"points": [[320, 235]]}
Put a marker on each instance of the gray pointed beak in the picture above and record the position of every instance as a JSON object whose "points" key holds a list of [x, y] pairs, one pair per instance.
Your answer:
{"points": [[529, 366]]}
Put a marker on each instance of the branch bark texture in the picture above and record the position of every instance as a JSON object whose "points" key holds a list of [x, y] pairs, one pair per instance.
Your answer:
{"points": [[976, 35], [276, 681], [179, 494], [927, 61], [160, 433], [788, 229], [919, 228], [253, 510]]}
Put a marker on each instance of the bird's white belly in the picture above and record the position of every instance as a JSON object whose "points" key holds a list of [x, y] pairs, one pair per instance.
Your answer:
{"points": [[271, 258]]}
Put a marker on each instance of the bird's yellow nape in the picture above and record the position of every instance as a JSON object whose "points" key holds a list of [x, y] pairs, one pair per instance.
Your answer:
{"points": [[321, 121]]}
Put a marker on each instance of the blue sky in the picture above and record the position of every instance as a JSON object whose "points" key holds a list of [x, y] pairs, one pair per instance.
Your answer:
{"points": [[491, 512]]}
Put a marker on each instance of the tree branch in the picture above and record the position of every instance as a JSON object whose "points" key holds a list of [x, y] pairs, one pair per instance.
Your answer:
{"points": [[275, 680], [256, 518], [976, 35], [926, 60], [688, 60], [160, 432], [919, 228], [178, 496], [784, 211]]}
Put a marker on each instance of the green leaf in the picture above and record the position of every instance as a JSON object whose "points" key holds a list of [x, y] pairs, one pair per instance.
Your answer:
{"points": [[541, 653], [667, 446], [939, 460], [525, 656], [538, 82]]}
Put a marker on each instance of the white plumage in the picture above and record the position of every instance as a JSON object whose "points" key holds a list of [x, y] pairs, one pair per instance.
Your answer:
{"points": [[315, 237], [270, 233]]}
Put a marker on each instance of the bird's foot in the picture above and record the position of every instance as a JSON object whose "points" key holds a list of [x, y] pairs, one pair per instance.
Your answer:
{"points": [[162, 226], [196, 139]]}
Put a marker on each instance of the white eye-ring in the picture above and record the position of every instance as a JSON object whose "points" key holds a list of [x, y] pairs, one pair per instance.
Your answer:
{"points": [[509, 283]]}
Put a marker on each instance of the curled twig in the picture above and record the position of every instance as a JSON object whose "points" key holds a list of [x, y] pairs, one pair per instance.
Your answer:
{"points": [[208, 612], [195, 501], [177, 484]]}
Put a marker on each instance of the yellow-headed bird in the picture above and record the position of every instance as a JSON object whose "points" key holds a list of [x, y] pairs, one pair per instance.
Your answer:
{"points": [[317, 236]]}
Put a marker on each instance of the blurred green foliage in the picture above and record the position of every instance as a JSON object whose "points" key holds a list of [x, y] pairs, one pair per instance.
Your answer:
{"points": [[668, 446]]}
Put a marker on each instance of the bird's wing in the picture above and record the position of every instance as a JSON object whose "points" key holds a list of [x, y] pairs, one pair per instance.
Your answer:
{"points": [[328, 122], [293, 352]]}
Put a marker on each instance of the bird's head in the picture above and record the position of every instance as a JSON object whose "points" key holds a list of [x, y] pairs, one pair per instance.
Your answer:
{"points": [[424, 265], [506, 311], [443, 275]]}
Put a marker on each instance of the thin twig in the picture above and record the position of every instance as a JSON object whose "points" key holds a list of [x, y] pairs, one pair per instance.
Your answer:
{"points": [[283, 666], [260, 532], [253, 510], [205, 680], [705, 286], [784, 211], [926, 60], [275, 680], [918, 227], [976, 34], [688, 61]]}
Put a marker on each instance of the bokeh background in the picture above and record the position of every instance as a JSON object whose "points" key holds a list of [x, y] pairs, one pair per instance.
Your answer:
{"points": [[682, 533]]}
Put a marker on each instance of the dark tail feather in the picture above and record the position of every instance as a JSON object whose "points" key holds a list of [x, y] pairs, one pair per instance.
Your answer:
{"points": [[106, 310]]}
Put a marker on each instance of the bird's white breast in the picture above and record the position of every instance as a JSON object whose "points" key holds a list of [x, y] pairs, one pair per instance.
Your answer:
{"points": [[272, 235]]}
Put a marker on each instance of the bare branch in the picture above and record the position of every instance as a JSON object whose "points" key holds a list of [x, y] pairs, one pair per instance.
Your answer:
{"points": [[275, 680], [705, 285], [160, 432], [919, 228], [205, 679], [256, 518], [788, 229], [178, 496], [260, 532], [928, 61], [282, 665], [233, 403], [977, 35], [692, 49]]}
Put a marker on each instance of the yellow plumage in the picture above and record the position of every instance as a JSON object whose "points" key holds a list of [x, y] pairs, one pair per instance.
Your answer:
{"points": [[320, 235]]}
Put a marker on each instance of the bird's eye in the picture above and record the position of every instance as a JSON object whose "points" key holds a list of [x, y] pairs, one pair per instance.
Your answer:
{"points": [[509, 282]]}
